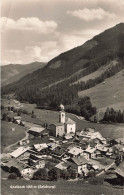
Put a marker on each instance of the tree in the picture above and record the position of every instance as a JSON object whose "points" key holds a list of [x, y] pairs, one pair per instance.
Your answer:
{"points": [[72, 173], [65, 174], [4, 116], [41, 174], [54, 174]]}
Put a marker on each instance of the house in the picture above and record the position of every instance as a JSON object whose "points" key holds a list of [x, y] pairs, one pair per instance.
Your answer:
{"points": [[62, 166], [80, 164], [39, 147], [68, 136], [120, 141], [18, 152], [36, 131], [89, 153], [57, 129], [15, 166], [120, 171], [52, 145], [40, 164], [75, 151], [90, 130], [58, 153], [17, 119], [27, 173]]}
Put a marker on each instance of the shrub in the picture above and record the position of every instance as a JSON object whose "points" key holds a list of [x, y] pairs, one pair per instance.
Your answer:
{"points": [[12, 176], [96, 180]]}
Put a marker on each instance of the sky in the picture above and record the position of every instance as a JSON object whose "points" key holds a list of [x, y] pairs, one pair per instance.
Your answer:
{"points": [[39, 30]]}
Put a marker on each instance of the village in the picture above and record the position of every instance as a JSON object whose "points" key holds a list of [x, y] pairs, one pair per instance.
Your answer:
{"points": [[59, 151]]}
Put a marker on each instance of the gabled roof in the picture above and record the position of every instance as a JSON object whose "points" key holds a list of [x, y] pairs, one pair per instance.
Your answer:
{"points": [[75, 151], [57, 124], [19, 151], [120, 169], [79, 161], [37, 129], [90, 150], [40, 147], [70, 121], [62, 166]]}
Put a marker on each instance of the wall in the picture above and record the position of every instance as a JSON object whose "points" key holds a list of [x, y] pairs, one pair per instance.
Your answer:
{"points": [[70, 128]]}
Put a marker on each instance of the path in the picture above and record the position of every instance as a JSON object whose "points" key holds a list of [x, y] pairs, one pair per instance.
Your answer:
{"points": [[8, 147]]}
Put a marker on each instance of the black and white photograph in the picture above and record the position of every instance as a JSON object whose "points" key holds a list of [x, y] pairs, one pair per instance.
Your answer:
{"points": [[62, 97]]}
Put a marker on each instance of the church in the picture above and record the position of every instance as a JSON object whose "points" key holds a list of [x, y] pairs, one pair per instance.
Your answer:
{"points": [[64, 126]]}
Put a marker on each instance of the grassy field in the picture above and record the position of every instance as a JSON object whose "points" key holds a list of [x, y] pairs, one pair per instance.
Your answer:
{"points": [[98, 72], [8, 136], [60, 188], [110, 94], [107, 130]]}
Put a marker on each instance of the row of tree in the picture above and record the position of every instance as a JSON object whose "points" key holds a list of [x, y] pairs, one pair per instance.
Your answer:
{"points": [[54, 174], [115, 116]]}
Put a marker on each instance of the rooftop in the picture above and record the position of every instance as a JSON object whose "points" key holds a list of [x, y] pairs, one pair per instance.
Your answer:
{"points": [[19, 151], [70, 121], [75, 151], [79, 161]]}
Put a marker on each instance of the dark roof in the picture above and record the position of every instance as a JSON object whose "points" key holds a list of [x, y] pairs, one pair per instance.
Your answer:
{"points": [[120, 169], [15, 163], [57, 124], [79, 161]]}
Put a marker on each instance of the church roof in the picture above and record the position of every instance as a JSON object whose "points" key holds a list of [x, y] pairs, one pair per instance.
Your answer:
{"points": [[70, 121], [57, 124]]}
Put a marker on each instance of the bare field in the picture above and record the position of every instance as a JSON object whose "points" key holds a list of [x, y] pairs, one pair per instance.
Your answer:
{"points": [[110, 94]]}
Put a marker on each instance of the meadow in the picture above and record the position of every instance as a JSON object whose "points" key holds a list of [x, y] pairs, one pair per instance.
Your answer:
{"points": [[110, 94], [8, 136], [59, 187]]}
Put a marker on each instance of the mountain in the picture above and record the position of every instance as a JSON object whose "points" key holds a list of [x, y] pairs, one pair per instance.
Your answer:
{"points": [[74, 71], [13, 72]]}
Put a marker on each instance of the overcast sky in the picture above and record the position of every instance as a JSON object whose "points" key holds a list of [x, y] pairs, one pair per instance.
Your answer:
{"points": [[38, 30]]}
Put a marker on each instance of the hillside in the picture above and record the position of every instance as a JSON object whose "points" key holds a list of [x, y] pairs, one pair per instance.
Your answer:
{"points": [[13, 72], [76, 70], [108, 94]]}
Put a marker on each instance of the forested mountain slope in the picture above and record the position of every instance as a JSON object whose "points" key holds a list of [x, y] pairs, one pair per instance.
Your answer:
{"points": [[64, 76], [13, 72]]}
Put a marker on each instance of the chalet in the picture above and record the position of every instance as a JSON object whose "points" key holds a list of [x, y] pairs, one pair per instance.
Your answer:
{"points": [[17, 119], [75, 152], [89, 153], [120, 170], [69, 136], [52, 145], [80, 164], [40, 147], [27, 173], [58, 153], [18, 152], [62, 166]]}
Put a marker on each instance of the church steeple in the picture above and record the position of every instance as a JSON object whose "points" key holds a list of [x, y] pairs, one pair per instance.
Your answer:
{"points": [[62, 114]]}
